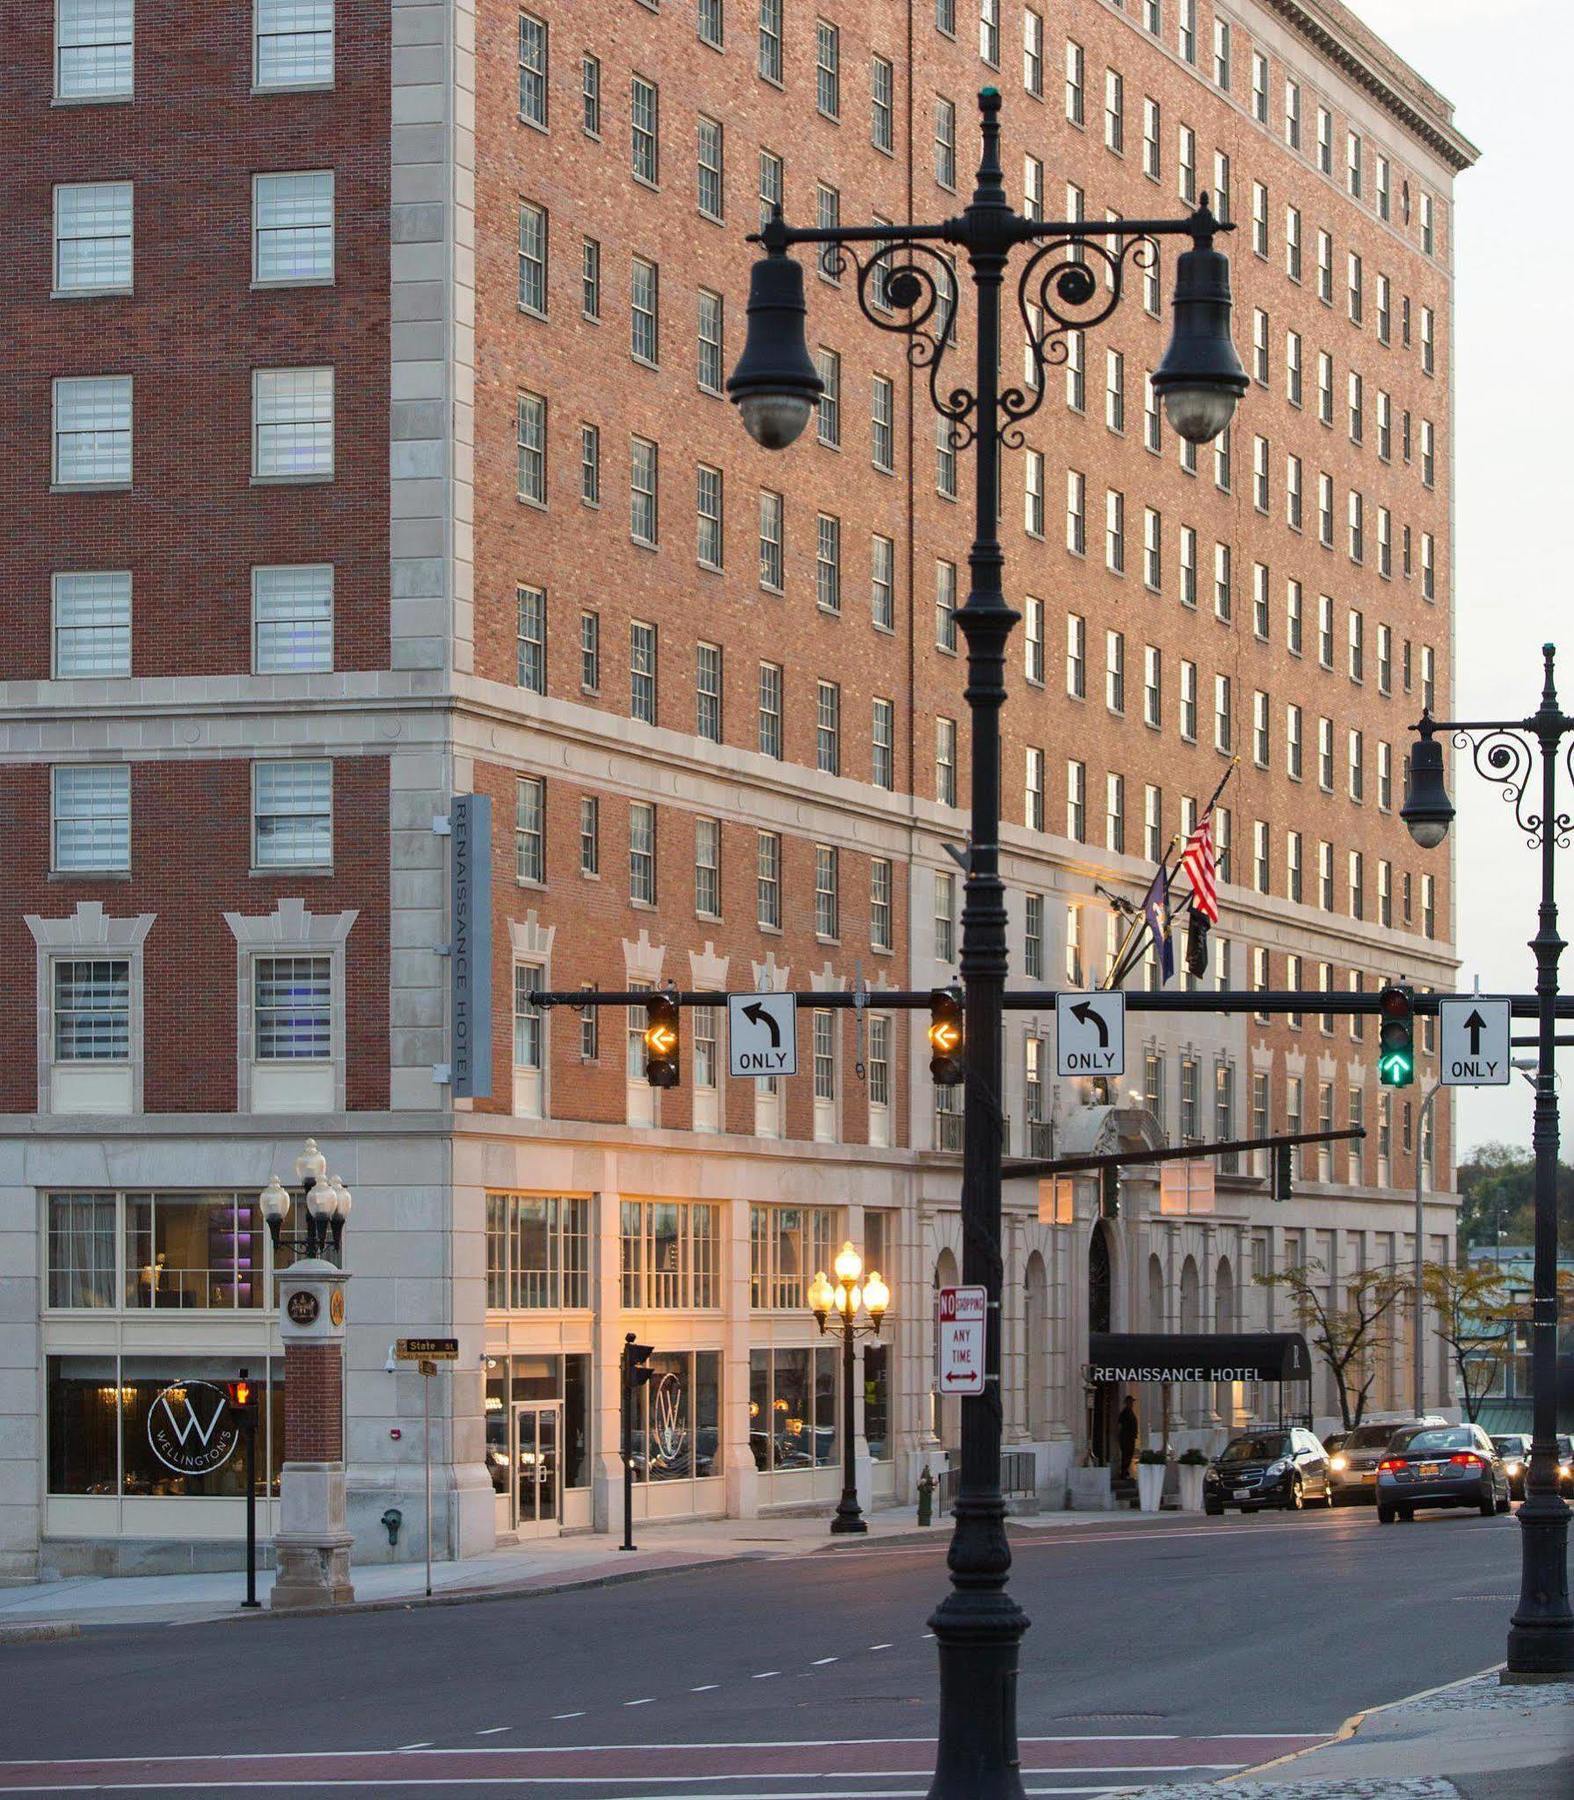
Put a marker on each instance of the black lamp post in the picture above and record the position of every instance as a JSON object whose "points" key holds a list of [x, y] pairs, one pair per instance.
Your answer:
{"points": [[843, 1301], [325, 1200], [906, 285], [1541, 1634]]}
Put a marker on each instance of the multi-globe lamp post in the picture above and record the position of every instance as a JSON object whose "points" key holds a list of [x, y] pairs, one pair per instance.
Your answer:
{"points": [[1506, 752], [1071, 280], [843, 1302], [325, 1199]]}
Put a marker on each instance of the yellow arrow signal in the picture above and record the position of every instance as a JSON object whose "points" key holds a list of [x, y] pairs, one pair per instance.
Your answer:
{"points": [[944, 1036], [661, 1040]]}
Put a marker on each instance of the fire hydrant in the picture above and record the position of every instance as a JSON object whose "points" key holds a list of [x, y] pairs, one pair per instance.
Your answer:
{"points": [[926, 1498]]}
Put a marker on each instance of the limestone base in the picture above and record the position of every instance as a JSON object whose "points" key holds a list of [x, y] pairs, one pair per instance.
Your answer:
{"points": [[312, 1575]]}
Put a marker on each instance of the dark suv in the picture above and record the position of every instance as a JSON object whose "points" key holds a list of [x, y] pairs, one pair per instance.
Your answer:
{"points": [[1268, 1468]]}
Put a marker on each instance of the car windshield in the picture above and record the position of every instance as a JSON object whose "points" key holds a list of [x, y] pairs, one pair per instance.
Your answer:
{"points": [[1508, 1446], [1419, 1442], [1264, 1447], [1565, 1446], [1369, 1437]]}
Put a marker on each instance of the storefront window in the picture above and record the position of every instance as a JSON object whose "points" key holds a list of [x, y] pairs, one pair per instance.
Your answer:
{"points": [[537, 1252], [679, 1432], [669, 1254], [538, 1378], [793, 1408], [82, 1261], [193, 1252], [877, 1401]]}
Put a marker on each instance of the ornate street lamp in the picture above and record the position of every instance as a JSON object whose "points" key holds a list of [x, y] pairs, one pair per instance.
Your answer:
{"points": [[1505, 751], [1070, 281], [325, 1199], [843, 1302]]}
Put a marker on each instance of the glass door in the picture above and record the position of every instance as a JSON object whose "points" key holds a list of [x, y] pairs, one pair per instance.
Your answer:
{"points": [[538, 1474]]}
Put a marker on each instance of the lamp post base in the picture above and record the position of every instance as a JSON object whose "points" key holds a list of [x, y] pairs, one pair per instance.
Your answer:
{"points": [[978, 1634], [845, 1520], [1541, 1634]]}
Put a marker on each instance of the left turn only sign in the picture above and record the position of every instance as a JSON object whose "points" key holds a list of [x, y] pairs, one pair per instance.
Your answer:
{"points": [[762, 1034]]}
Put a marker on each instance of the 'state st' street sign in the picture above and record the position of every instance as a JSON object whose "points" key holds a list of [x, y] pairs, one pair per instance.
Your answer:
{"points": [[1090, 1033]]}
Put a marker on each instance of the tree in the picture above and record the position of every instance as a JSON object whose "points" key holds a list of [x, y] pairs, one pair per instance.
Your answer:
{"points": [[1474, 1317], [1348, 1337], [1497, 1185]]}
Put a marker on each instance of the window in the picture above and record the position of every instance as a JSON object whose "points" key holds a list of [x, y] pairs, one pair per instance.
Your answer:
{"points": [[1384, 184], [1076, 656], [292, 424], [1356, 519], [83, 1249], [1033, 790], [590, 840], [644, 312], [92, 625], [1032, 187], [590, 652], [708, 169], [828, 215], [1115, 532], [1115, 671], [1187, 27], [531, 629], [827, 69], [828, 423], [1292, 242], [1076, 513], [1325, 387], [771, 569], [882, 579], [1292, 742], [294, 45], [530, 829], [708, 23], [1357, 637], [91, 1011], [1115, 812], [292, 236], [1292, 492], [642, 491], [292, 815], [1152, 685], [1033, 937], [828, 728], [768, 879], [1033, 53], [707, 868], [1325, 755], [590, 95], [1325, 511], [945, 143], [768, 55], [1114, 390], [1114, 112], [642, 672], [709, 370], [827, 903], [708, 511], [1076, 369], [1186, 154], [93, 237], [1077, 801], [1223, 583], [1357, 875], [1188, 701], [1357, 760], [1075, 106], [880, 934], [644, 115], [1428, 454], [642, 854], [1428, 234], [1223, 725], [292, 1008], [1150, 140], [532, 69], [708, 692], [1261, 735], [1222, 461], [945, 458], [883, 744], [1033, 493], [1428, 570], [590, 279], [537, 1252], [828, 563], [1325, 876], [945, 606], [786, 1244], [1385, 776], [1151, 425], [882, 423], [92, 431], [1356, 403], [1152, 549], [93, 49], [1221, 52], [670, 1259], [769, 709], [1325, 268], [771, 178], [1188, 566], [989, 32], [1325, 141], [945, 761], [881, 89]]}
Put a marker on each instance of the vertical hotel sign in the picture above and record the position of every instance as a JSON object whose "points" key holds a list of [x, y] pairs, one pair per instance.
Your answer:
{"points": [[471, 911]]}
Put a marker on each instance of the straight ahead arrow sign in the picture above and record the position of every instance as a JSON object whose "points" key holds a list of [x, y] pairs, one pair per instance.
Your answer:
{"points": [[1475, 1025]]}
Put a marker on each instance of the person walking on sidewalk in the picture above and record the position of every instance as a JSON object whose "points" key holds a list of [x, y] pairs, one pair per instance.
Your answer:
{"points": [[1126, 1426]]}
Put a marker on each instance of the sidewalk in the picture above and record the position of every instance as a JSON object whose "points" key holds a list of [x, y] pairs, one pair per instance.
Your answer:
{"points": [[51, 1607], [1472, 1740]]}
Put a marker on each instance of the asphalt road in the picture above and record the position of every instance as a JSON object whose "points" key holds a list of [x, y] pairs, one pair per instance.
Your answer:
{"points": [[1157, 1648]]}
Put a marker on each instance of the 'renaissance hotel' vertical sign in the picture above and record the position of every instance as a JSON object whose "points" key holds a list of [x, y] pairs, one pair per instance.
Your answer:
{"points": [[471, 911]]}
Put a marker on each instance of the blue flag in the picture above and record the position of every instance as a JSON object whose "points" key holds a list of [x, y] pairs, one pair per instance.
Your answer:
{"points": [[1156, 910]]}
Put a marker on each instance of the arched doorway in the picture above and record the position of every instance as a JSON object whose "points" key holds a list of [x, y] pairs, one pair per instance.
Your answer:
{"points": [[1155, 1294], [945, 1415], [1035, 1328], [1188, 1400], [1227, 1395], [1101, 1311]]}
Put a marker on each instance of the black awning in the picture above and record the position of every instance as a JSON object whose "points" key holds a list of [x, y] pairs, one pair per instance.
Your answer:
{"points": [[1211, 1356]]}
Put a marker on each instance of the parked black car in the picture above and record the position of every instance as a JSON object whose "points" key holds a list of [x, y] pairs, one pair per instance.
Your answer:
{"points": [[1268, 1468], [1448, 1465]]}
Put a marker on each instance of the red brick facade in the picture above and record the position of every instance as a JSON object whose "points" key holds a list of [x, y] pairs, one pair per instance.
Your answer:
{"points": [[314, 1402]]}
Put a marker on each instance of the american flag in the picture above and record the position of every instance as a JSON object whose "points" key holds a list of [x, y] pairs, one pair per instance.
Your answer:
{"points": [[1197, 861]]}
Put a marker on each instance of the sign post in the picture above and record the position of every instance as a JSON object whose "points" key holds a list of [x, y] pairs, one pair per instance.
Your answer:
{"points": [[1090, 1033], [426, 1353], [1473, 1041], [963, 1313], [762, 1034], [243, 1403]]}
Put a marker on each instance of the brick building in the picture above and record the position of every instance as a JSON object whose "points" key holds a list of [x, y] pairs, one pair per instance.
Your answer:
{"points": [[366, 448]]}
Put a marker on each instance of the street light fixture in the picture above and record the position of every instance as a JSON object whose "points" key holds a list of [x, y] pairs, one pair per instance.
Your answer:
{"points": [[843, 1302], [1505, 752], [1070, 281], [325, 1199]]}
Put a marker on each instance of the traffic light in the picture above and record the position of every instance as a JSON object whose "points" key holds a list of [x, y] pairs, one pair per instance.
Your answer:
{"points": [[1109, 1191], [1196, 944], [947, 1038], [242, 1396], [1282, 1171], [1396, 1046], [636, 1365], [662, 1040]]}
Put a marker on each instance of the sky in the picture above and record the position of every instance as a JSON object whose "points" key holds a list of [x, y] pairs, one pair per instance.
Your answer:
{"points": [[1503, 64]]}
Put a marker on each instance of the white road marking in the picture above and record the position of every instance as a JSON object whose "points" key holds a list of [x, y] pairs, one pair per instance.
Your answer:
{"points": [[879, 1646], [572, 1715], [820, 1661], [425, 1744], [649, 1700], [493, 1730], [707, 1687], [765, 1675], [444, 1781]]}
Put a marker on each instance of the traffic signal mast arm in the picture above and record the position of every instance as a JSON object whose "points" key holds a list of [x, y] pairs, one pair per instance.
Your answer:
{"points": [[1123, 1159]]}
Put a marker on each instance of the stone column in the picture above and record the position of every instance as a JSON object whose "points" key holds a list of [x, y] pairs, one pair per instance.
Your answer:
{"points": [[312, 1546], [737, 1451]]}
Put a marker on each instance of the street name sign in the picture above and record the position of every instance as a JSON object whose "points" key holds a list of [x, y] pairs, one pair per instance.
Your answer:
{"points": [[1090, 1033], [1473, 1047], [762, 1034], [427, 1349], [963, 1314]]}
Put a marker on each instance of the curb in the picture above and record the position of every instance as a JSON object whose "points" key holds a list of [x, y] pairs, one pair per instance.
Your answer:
{"points": [[1353, 1724], [39, 1634]]}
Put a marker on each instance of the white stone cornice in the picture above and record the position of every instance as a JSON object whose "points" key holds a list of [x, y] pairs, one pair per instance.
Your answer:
{"points": [[642, 959], [89, 928], [528, 937], [769, 976], [290, 926], [707, 970]]}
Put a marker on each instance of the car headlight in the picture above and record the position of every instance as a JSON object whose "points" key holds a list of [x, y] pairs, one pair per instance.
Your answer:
{"points": [[1513, 1468], [1276, 1468], [1340, 1462]]}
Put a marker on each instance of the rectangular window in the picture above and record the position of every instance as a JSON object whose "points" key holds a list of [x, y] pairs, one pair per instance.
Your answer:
{"points": [[292, 1006], [881, 103], [1188, 701], [1115, 671], [708, 169], [1221, 52], [1223, 583], [880, 934], [1033, 937], [768, 879], [769, 709], [590, 841], [590, 95], [1292, 242], [828, 728], [1152, 685], [1077, 801], [882, 423], [642, 854], [1076, 513], [642, 672], [590, 278], [92, 1011], [1033, 52], [292, 234], [882, 582], [1115, 812], [92, 431], [1076, 656], [828, 422], [1114, 112], [708, 691], [1292, 367], [945, 761], [590, 652], [827, 216], [945, 606], [1033, 790], [1292, 742], [768, 54], [93, 236], [1188, 566], [1223, 727], [538, 1250], [643, 457], [530, 828], [827, 905], [1187, 164], [771, 567], [707, 868], [708, 23], [671, 1260], [92, 625], [93, 49], [828, 563], [1187, 30], [710, 341], [292, 815], [82, 1250], [827, 69], [945, 917], [294, 44], [708, 514], [531, 647], [883, 744], [292, 424], [644, 126], [1075, 102], [945, 143], [945, 458], [644, 312]]}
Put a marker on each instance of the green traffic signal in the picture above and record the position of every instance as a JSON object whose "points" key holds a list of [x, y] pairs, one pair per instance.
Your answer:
{"points": [[1396, 1049]]}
